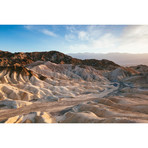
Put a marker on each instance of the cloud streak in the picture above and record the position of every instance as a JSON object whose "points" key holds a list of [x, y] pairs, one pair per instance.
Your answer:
{"points": [[41, 29], [48, 32]]}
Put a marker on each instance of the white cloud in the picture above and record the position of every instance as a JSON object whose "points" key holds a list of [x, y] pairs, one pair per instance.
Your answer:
{"points": [[48, 32], [41, 29], [134, 39], [82, 35], [29, 27], [136, 31], [105, 42]]}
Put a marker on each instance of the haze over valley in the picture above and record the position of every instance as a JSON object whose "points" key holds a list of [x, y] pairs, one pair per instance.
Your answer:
{"points": [[125, 59]]}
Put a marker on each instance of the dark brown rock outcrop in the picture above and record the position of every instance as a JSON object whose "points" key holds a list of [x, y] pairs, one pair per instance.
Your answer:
{"points": [[23, 59]]}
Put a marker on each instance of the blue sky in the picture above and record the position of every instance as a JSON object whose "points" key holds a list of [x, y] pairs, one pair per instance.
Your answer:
{"points": [[74, 38]]}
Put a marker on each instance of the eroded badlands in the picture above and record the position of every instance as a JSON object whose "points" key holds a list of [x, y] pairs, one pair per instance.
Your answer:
{"points": [[46, 92]]}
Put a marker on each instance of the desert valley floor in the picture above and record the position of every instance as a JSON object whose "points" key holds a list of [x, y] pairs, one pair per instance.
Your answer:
{"points": [[56, 88]]}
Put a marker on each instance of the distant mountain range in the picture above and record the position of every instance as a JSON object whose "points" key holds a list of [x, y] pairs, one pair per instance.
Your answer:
{"points": [[124, 59]]}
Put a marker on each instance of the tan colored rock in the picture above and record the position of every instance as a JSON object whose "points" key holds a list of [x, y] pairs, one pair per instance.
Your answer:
{"points": [[12, 119], [32, 117], [81, 117]]}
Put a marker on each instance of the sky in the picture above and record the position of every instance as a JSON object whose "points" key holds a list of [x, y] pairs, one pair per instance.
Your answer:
{"points": [[75, 38]]}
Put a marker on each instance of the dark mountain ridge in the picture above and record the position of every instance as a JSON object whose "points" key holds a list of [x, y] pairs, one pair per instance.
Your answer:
{"points": [[23, 59]]}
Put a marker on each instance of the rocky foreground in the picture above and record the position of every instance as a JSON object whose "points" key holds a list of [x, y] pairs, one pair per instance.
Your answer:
{"points": [[55, 88]]}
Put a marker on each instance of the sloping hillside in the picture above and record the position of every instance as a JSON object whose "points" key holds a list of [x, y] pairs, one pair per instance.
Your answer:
{"points": [[22, 59]]}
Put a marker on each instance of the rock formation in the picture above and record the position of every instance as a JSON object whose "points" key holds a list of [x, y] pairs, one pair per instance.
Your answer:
{"points": [[49, 87], [22, 59]]}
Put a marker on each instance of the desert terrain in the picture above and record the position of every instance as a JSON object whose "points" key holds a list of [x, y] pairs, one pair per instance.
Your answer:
{"points": [[51, 87]]}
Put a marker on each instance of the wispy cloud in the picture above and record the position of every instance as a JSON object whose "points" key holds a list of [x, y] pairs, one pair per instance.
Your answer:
{"points": [[48, 32], [28, 27], [41, 29], [133, 39], [84, 32], [82, 35]]}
